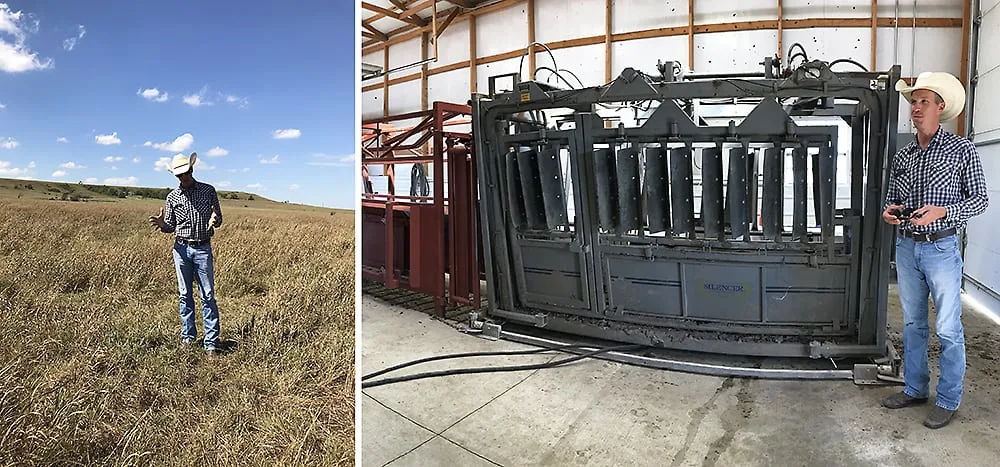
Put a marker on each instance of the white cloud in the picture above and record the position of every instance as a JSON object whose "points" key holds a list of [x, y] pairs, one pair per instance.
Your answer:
{"points": [[241, 102], [294, 187], [255, 186], [7, 171], [71, 165], [153, 94], [90, 180], [16, 57], [113, 158], [136, 160], [197, 100], [201, 165], [9, 143], [2, 106], [130, 181], [108, 140], [147, 144], [59, 173], [180, 143], [290, 133], [113, 167], [216, 152], [162, 163], [193, 100], [70, 43], [224, 184], [244, 169], [273, 160], [31, 164], [330, 160], [62, 139]]}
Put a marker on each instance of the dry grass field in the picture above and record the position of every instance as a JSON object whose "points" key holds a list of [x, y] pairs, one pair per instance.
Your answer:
{"points": [[92, 370]]}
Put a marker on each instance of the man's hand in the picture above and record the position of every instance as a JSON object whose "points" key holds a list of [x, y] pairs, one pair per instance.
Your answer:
{"points": [[211, 220], [157, 221], [928, 214], [890, 218]]}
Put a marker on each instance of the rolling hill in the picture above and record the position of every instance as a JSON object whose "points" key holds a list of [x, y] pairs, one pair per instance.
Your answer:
{"points": [[82, 192]]}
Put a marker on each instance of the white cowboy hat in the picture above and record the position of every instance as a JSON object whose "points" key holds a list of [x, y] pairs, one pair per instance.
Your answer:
{"points": [[182, 163], [945, 85]]}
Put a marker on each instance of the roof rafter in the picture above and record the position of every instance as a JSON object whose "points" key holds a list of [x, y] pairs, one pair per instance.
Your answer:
{"points": [[406, 16], [375, 32]]}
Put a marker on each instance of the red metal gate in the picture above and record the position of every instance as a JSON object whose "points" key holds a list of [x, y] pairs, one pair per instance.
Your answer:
{"points": [[417, 242]]}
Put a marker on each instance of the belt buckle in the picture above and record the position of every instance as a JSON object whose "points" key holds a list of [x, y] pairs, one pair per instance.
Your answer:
{"points": [[922, 237]]}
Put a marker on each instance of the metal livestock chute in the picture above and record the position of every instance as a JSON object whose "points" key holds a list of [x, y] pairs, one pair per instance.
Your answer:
{"points": [[674, 225]]}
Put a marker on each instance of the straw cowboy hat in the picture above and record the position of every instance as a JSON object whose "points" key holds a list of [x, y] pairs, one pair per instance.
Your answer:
{"points": [[945, 85], [182, 163]]}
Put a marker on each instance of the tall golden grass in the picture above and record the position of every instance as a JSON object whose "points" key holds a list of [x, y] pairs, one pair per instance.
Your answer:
{"points": [[91, 365]]}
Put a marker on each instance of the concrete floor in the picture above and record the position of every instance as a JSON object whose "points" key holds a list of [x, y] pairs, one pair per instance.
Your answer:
{"points": [[596, 412]]}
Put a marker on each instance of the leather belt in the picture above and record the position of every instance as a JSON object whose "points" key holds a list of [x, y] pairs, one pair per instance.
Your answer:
{"points": [[185, 241], [926, 237]]}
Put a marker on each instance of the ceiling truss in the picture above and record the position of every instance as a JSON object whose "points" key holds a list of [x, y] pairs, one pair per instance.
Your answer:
{"points": [[407, 12]]}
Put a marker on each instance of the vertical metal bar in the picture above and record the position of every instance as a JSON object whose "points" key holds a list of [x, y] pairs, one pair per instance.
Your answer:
{"points": [[457, 273], [828, 183], [488, 204], [817, 197], [628, 189], [737, 193], [752, 172], [799, 193], [607, 188], [682, 192], [551, 178], [534, 206], [883, 232], [857, 164], [390, 248], [518, 217], [657, 189], [438, 280], [474, 235], [773, 193], [711, 192], [584, 181]]}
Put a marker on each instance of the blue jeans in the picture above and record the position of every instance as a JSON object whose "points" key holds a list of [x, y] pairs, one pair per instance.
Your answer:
{"points": [[196, 262], [933, 268]]}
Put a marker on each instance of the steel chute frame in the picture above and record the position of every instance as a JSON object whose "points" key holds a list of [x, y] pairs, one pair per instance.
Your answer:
{"points": [[417, 242], [592, 229]]}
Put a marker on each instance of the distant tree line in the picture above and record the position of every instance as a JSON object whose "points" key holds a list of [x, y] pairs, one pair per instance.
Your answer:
{"points": [[66, 191], [123, 192]]}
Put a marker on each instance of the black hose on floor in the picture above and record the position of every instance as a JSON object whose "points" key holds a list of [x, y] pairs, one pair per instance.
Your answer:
{"points": [[498, 369], [471, 354]]}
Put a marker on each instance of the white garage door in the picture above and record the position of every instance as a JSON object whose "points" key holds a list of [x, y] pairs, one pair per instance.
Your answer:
{"points": [[982, 254]]}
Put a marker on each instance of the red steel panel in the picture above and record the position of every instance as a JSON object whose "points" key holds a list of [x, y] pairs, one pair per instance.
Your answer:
{"points": [[411, 241]]}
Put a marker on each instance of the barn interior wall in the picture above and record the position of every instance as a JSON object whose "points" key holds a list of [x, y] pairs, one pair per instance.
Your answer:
{"points": [[915, 49]]}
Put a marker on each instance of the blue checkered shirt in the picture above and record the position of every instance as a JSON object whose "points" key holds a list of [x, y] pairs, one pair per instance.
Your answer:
{"points": [[949, 174], [188, 211]]}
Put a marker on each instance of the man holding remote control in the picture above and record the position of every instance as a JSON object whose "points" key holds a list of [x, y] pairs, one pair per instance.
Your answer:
{"points": [[936, 185]]}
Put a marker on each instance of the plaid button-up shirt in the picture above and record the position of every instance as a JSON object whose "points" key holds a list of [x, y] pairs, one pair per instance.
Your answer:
{"points": [[949, 174], [188, 211]]}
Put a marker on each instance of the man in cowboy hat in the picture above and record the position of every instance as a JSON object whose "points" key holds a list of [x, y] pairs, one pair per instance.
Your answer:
{"points": [[939, 176], [192, 213]]}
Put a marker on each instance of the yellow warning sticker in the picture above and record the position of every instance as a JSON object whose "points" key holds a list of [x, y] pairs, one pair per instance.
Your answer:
{"points": [[525, 96]]}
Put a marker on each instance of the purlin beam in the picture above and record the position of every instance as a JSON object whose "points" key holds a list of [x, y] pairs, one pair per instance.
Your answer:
{"points": [[406, 16], [408, 32], [659, 32]]}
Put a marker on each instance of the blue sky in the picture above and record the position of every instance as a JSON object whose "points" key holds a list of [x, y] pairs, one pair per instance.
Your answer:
{"points": [[264, 92]]}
